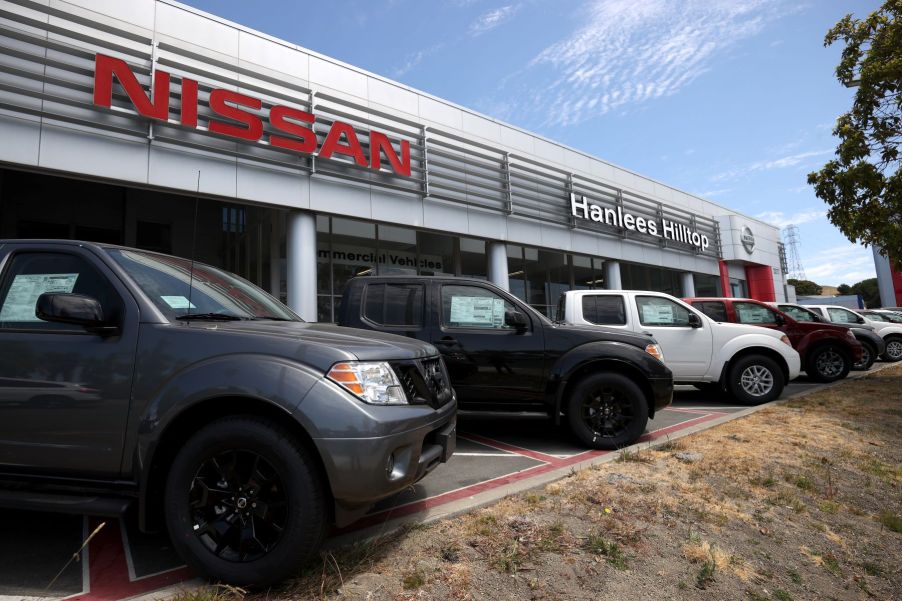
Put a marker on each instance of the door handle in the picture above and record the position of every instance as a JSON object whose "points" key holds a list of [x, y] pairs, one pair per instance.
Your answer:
{"points": [[447, 340]]}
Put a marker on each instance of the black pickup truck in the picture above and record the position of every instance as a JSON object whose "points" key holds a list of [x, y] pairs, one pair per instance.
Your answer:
{"points": [[502, 355], [135, 378]]}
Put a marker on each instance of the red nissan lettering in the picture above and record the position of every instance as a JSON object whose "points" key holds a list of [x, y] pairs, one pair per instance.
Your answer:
{"points": [[218, 100], [107, 66], [279, 118]]}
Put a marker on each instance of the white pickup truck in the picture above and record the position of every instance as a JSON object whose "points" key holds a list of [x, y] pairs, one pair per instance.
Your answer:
{"points": [[884, 326], [751, 362]]}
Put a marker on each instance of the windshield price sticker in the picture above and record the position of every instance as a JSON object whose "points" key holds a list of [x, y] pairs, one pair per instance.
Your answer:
{"points": [[178, 302], [653, 314], [478, 311], [25, 290]]}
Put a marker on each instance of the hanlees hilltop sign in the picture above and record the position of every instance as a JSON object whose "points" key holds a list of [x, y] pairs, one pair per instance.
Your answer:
{"points": [[615, 216]]}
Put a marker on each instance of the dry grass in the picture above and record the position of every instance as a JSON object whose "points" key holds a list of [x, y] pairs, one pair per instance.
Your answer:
{"points": [[800, 500]]}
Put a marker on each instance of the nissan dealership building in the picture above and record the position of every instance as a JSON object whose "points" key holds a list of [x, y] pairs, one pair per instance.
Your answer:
{"points": [[151, 124]]}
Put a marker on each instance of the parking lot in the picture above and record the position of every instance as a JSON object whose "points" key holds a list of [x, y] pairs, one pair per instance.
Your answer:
{"points": [[492, 453]]}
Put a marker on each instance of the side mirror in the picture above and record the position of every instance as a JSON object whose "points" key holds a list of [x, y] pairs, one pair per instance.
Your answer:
{"points": [[516, 320], [694, 321], [76, 309], [779, 319], [859, 319]]}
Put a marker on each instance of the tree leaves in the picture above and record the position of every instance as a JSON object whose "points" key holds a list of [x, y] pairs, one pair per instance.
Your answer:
{"points": [[863, 184]]}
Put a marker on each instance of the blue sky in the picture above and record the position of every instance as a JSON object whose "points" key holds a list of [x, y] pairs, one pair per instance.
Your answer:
{"points": [[733, 100]]}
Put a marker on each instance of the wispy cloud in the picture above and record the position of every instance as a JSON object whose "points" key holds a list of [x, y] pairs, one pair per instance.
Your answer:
{"points": [[628, 52], [414, 59], [780, 163], [847, 264], [781, 219], [713, 193], [490, 20]]}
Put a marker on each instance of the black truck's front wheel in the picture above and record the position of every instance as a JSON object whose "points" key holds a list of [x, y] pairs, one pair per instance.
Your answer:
{"points": [[243, 502], [607, 411]]}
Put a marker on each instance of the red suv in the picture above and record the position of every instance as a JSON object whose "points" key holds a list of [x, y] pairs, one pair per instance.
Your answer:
{"points": [[828, 352]]}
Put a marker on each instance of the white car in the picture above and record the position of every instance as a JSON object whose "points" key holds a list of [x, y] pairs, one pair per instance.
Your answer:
{"points": [[884, 326], [752, 362]]}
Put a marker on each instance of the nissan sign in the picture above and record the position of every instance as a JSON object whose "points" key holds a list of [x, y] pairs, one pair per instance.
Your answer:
{"points": [[748, 239]]}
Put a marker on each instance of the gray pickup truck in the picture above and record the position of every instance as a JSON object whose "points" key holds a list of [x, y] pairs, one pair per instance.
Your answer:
{"points": [[134, 378]]}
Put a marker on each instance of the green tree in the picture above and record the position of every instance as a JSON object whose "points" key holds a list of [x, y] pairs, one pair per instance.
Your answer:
{"points": [[863, 184], [869, 292], [805, 287], [844, 289]]}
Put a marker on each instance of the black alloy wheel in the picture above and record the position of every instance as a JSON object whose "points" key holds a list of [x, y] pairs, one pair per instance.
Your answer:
{"points": [[244, 502], [607, 411], [827, 363], [868, 356], [239, 505]]}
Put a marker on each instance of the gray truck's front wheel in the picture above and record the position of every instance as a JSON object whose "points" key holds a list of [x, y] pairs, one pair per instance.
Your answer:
{"points": [[243, 502], [607, 411]]}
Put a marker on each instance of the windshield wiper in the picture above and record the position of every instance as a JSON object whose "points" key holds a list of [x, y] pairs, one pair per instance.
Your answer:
{"points": [[272, 318], [211, 316]]}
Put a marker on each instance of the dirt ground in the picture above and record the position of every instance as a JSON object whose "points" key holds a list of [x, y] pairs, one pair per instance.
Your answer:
{"points": [[801, 500]]}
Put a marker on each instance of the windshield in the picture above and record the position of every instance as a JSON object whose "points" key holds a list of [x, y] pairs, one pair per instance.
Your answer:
{"points": [[209, 293], [798, 313]]}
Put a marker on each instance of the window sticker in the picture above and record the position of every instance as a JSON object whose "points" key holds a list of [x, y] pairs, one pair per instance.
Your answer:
{"points": [[653, 313], [178, 302], [478, 311], [754, 315], [24, 292]]}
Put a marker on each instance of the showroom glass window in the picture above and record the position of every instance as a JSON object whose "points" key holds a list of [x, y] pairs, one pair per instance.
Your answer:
{"points": [[644, 277], [706, 285], [31, 274]]}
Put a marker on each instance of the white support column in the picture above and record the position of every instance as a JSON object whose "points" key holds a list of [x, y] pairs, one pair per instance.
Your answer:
{"points": [[497, 252], [301, 258], [687, 283], [884, 279], [275, 259], [612, 275]]}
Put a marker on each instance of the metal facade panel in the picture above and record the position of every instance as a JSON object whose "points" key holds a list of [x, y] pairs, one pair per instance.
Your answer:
{"points": [[21, 140], [468, 174]]}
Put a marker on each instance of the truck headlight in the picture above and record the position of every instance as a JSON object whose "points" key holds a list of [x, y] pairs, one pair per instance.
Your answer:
{"points": [[785, 339], [655, 351], [371, 382]]}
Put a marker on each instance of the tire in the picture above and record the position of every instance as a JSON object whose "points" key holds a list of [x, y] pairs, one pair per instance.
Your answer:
{"points": [[215, 488], [868, 356], [755, 379], [827, 363], [615, 395], [893, 351]]}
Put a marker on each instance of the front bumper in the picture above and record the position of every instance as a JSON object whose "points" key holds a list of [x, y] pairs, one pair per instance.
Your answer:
{"points": [[363, 471], [662, 393]]}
